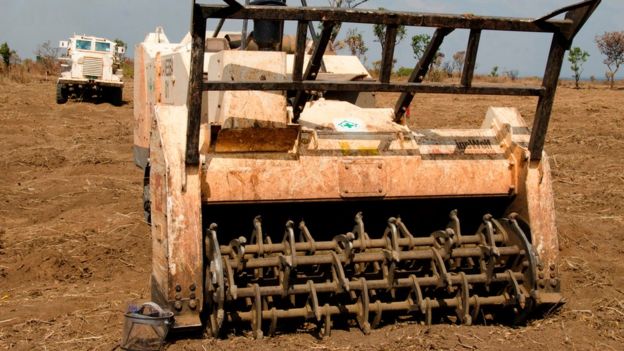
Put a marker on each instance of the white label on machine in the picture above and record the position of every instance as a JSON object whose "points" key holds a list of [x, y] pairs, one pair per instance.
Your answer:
{"points": [[351, 124]]}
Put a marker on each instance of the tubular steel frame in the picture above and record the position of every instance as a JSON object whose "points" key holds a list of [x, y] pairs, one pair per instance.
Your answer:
{"points": [[304, 81]]}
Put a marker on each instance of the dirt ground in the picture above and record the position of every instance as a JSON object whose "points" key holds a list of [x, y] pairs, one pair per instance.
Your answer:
{"points": [[74, 248]]}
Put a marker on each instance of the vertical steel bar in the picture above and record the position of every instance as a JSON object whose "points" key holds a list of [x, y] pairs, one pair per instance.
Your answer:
{"points": [[317, 56], [470, 60], [196, 74], [244, 33], [420, 71], [544, 106], [218, 28], [313, 67], [304, 3], [387, 56], [561, 42], [302, 30]]}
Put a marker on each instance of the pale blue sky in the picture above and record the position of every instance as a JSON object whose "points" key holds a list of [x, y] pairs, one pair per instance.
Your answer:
{"points": [[26, 23]]}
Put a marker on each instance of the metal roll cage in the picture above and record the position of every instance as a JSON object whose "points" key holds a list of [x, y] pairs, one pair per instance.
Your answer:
{"points": [[304, 80]]}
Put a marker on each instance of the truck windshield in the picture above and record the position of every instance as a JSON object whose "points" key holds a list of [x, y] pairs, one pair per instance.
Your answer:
{"points": [[99, 46], [83, 44]]}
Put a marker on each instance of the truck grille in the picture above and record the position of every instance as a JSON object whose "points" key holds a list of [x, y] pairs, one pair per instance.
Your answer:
{"points": [[92, 67]]}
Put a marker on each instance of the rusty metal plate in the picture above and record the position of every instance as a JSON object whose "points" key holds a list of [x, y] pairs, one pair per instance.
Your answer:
{"points": [[257, 139], [362, 178]]}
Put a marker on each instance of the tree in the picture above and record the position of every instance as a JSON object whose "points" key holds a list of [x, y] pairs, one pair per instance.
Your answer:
{"points": [[7, 54], [436, 71], [355, 42], [458, 61], [420, 42], [419, 45], [380, 33], [611, 45], [448, 68], [46, 55], [121, 44], [512, 74], [439, 60], [494, 72], [577, 58]]}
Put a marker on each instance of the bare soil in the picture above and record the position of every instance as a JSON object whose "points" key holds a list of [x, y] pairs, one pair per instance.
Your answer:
{"points": [[74, 248]]}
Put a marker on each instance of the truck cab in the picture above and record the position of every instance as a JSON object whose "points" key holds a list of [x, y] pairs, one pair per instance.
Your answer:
{"points": [[91, 67]]}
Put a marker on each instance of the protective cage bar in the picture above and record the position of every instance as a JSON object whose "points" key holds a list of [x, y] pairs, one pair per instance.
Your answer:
{"points": [[302, 83]]}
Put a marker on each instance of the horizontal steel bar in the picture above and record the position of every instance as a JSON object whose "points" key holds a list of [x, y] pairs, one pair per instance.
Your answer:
{"points": [[464, 21], [371, 86], [354, 309], [357, 244], [332, 287], [275, 261]]}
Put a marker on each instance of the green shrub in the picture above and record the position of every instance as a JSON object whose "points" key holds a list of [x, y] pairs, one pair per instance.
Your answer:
{"points": [[404, 72]]}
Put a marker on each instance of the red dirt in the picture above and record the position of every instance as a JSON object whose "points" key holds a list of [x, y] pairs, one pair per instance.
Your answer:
{"points": [[74, 248]]}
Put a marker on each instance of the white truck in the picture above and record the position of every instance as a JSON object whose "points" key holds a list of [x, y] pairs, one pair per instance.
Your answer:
{"points": [[91, 67]]}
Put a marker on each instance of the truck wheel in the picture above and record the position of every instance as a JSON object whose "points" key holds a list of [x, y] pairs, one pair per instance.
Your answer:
{"points": [[61, 93], [116, 96]]}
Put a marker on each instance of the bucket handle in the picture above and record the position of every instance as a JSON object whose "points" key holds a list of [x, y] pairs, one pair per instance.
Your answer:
{"points": [[153, 305]]}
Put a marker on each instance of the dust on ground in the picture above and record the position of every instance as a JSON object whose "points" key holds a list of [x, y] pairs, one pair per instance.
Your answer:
{"points": [[74, 248]]}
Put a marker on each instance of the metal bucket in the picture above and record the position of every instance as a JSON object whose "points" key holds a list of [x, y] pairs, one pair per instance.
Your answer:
{"points": [[145, 327]]}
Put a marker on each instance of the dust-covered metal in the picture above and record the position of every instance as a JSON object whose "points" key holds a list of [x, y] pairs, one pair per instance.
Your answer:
{"points": [[356, 274], [563, 32], [277, 190]]}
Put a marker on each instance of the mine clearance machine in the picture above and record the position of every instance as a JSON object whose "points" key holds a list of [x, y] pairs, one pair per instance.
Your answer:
{"points": [[91, 66], [276, 191]]}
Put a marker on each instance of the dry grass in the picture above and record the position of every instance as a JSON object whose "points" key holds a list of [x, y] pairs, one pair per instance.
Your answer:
{"points": [[27, 72]]}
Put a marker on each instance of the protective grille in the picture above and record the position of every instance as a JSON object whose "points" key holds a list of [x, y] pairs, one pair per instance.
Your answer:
{"points": [[92, 67]]}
